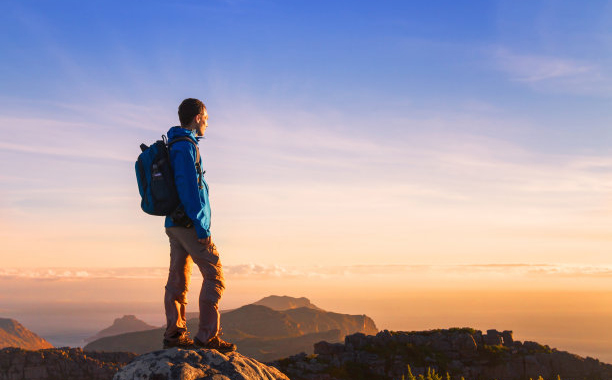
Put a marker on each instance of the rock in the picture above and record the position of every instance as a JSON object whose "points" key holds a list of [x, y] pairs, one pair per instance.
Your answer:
{"points": [[417, 339], [464, 344], [439, 342], [60, 363], [356, 341], [178, 364], [533, 347], [455, 365], [507, 338], [493, 338], [383, 338], [534, 367], [386, 355], [325, 348]]}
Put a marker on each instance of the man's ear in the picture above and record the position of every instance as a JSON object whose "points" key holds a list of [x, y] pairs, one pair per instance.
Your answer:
{"points": [[194, 121]]}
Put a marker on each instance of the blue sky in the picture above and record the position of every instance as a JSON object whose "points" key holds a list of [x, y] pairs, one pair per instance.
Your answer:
{"points": [[543, 60], [421, 125]]}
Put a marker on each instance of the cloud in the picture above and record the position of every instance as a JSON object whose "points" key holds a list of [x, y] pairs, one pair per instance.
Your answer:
{"points": [[258, 271], [77, 273], [536, 68], [60, 138], [60, 152], [553, 73]]}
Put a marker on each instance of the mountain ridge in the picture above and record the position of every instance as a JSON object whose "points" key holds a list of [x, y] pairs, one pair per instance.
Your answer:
{"points": [[14, 334], [282, 332]]}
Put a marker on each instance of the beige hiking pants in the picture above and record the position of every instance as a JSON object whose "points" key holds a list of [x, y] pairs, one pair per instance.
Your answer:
{"points": [[184, 250]]}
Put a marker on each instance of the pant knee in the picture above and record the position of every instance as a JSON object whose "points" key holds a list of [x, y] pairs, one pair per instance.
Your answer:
{"points": [[213, 290], [214, 304], [178, 294]]}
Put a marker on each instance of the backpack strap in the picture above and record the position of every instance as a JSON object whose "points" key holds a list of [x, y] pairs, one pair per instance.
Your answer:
{"points": [[198, 164]]}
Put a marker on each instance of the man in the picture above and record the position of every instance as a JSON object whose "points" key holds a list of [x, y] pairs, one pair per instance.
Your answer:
{"points": [[190, 239]]}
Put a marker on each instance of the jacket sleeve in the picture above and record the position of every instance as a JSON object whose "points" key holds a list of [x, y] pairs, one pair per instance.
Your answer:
{"points": [[183, 158]]}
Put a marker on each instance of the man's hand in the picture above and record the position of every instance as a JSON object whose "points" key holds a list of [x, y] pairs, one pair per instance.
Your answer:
{"points": [[206, 241]]}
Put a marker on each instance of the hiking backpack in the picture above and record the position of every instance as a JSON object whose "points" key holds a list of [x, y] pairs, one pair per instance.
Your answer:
{"points": [[156, 179]]}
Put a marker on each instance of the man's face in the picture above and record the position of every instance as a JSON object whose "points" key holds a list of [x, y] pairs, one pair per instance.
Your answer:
{"points": [[201, 123]]}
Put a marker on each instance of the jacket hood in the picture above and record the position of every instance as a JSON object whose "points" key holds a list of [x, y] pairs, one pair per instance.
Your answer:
{"points": [[177, 131]]}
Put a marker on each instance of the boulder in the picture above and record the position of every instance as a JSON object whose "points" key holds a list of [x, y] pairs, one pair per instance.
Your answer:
{"points": [[178, 364], [507, 338], [325, 348], [493, 338], [356, 341], [439, 342], [464, 344]]}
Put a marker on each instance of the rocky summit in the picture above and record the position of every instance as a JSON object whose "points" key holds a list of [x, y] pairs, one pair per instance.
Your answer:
{"points": [[460, 352], [202, 364]]}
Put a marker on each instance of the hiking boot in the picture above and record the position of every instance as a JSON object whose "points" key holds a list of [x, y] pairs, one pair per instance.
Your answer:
{"points": [[215, 343], [180, 340]]}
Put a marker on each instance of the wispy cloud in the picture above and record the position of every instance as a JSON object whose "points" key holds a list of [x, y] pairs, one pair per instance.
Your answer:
{"points": [[258, 271], [60, 138], [60, 152], [555, 73], [536, 68]]}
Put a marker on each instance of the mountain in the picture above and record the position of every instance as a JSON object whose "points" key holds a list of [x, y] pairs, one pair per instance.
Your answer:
{"points": [[258, 331], [125, 324], [462, 353], [13, 334], [285, 302], [251, 321], [261, 321], [273, 302]]}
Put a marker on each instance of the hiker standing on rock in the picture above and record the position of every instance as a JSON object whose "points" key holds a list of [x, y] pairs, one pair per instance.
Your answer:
{"points": [[190, 240]]}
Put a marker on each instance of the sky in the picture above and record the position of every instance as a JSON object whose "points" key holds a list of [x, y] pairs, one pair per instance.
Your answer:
{"points": [[402, 144]]}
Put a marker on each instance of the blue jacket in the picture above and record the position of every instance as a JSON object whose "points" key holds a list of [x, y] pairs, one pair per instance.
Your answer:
{"points": [[193, 196]]}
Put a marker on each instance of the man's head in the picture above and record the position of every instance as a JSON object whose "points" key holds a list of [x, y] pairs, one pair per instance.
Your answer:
{"points": [[193, 115]]}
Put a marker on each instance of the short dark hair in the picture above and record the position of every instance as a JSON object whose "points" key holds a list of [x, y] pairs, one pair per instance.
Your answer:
{"points": [[189, 109]]}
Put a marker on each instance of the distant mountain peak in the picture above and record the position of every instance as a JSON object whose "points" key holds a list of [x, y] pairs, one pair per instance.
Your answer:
{"points": [[14, 334], [126, 318], [127, 323], [281, 303]]}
